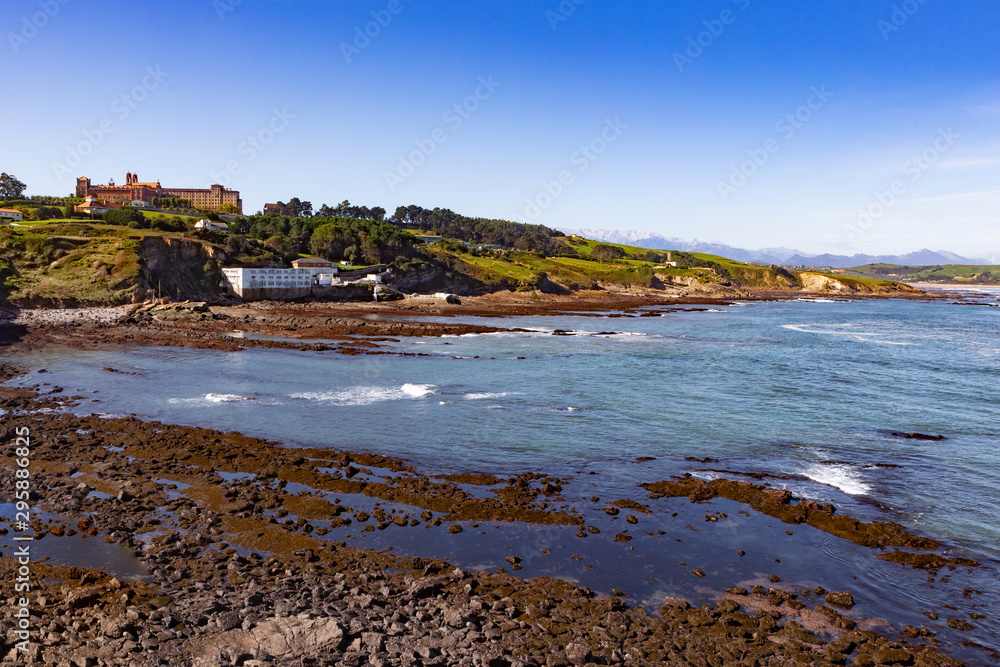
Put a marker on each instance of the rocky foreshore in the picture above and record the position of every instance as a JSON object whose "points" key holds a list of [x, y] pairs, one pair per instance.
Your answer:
{"points": [[350, 328], [234, 534]]}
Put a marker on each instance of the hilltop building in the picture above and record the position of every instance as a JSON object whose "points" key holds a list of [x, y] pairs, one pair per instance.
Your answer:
{"points": [[214, 198]]}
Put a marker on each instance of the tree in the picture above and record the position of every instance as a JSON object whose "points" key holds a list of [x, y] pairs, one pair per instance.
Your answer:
{"points": [[10, 187]]}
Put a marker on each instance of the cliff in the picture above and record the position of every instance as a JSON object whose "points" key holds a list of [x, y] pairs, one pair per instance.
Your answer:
{"points": [[71, 265], [179, 268]]}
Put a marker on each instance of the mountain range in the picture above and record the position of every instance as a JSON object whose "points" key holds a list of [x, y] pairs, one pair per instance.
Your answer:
{"points": [[785, 256]]}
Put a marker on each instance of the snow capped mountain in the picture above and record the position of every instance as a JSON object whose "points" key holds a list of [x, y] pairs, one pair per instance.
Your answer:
{"points": [[787, 256]]}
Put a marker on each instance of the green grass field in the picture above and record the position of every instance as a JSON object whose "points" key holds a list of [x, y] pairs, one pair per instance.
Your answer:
{"points": [[969, 274]]}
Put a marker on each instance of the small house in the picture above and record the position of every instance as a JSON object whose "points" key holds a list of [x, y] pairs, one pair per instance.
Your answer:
{"points": [[212, 226], [9, 215], [91, 206]]}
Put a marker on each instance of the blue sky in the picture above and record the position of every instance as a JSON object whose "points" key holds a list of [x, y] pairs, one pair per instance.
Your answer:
{"points": [[839, 126]]}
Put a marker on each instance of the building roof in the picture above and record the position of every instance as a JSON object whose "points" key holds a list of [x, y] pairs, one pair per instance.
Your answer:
{"points": [[10, 210], [312, 261]]}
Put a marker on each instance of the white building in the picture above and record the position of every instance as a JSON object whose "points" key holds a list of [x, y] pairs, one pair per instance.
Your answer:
{"points": [[8, 215], [265, 283], [212, 226], [138, 203]]}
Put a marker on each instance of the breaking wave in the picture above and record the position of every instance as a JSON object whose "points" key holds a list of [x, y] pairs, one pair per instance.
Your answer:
{"points": [[367, 395], [839, 476]]}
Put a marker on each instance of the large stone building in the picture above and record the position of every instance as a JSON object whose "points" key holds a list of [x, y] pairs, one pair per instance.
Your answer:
{"points": [[215, 198]]}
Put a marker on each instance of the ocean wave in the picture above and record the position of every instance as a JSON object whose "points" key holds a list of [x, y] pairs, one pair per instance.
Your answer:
{"points": [[843, 330], [367, 395], [209, 399], [838, 476], [484, 395], [819, 300]]}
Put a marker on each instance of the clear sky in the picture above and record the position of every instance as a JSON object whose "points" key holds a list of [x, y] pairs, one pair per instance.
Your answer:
{"points": [[751, 122]]}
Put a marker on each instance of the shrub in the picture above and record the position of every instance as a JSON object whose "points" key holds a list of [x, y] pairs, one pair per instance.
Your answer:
{"points": [[124, 216], [606, 251]]}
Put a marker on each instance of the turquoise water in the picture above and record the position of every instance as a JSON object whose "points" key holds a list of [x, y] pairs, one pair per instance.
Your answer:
{"points": [[811, 390]]}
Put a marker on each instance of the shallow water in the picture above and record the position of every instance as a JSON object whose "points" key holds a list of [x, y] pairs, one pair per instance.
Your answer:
{"points": [[809, 389]]}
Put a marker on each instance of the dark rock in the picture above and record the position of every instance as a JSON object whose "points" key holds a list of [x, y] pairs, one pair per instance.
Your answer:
{"points": [[892, 656], [840, 599], [918, 436]]}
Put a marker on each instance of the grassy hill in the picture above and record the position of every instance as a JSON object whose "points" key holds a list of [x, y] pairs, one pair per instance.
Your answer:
{"points": [[632, 267], [81, 263], [963, 274], [70, 263]]}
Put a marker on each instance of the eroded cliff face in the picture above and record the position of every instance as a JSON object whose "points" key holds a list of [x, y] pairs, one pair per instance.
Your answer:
{"points": [[817, 282], [180, 269]]}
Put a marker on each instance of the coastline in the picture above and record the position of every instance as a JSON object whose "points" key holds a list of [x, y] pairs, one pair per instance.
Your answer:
{"points": [[351, 327], [232, 531]]}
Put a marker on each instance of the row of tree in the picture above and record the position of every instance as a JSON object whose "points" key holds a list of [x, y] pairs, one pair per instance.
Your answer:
{"points": [[447, 223], [296, 208], [295, 222], [333, 237]]}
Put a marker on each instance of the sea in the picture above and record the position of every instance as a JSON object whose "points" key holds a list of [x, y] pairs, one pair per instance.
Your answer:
{"points": [[810, 391]]}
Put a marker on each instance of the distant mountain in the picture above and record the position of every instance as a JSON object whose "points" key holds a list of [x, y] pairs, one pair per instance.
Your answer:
{"points": [[923, 257], [786, 256], [657, 242]]}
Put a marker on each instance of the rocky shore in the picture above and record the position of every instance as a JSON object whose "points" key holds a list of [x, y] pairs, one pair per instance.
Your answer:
{"points": [[234, 533], [350, 328]]}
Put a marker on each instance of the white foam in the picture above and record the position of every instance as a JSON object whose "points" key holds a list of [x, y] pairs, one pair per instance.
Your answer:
{"points": [[839, 476], [224, 398], [208, 399], [817, 300], [418, 390], [483, 395], [367, 395], [844, 330]]}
